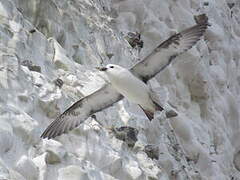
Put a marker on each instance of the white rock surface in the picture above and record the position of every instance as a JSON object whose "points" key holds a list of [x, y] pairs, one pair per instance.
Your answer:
{"points": [[27, 168], [67, 39]]}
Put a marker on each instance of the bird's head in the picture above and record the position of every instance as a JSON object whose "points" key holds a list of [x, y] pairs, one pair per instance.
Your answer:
{"points": [[111, 69]]}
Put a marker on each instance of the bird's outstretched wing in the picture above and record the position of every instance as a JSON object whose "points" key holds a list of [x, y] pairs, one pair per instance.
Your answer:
{"points": [[160, 58], [81, 110], [163, 55]]}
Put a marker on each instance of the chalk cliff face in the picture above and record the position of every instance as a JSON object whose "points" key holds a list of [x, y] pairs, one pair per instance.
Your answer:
{"points": [[48, 51]]}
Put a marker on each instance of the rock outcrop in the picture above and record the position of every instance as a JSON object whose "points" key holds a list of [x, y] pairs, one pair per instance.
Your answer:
{"points": [[48, 51]]}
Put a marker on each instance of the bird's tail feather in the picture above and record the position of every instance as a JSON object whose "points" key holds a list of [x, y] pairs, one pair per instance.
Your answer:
{"points": [[158, 107], [148, 113]]}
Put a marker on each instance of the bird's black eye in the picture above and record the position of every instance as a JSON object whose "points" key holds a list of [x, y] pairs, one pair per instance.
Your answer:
{"points": [[111, 66]]}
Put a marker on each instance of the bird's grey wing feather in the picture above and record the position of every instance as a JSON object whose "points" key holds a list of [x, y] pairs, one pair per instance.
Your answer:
{"points": [[163, 55], [81, 110], [145, 70]]}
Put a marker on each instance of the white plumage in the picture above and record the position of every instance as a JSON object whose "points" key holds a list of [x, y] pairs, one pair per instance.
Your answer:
{"points": [[129, 83], [130, 86]]}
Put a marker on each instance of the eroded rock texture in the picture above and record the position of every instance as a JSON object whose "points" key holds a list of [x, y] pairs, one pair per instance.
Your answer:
{"points": [[45, 40]]}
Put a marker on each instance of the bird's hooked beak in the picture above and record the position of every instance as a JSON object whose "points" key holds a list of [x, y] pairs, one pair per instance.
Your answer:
{"points": [[101, 68]]}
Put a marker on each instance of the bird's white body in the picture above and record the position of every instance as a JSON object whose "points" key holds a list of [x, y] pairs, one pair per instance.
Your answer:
{"points": [[128, 85], [131, 87]]}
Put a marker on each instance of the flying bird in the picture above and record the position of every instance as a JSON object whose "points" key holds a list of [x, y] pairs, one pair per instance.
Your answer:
{"points": [[133, 88], [129, 83]]}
